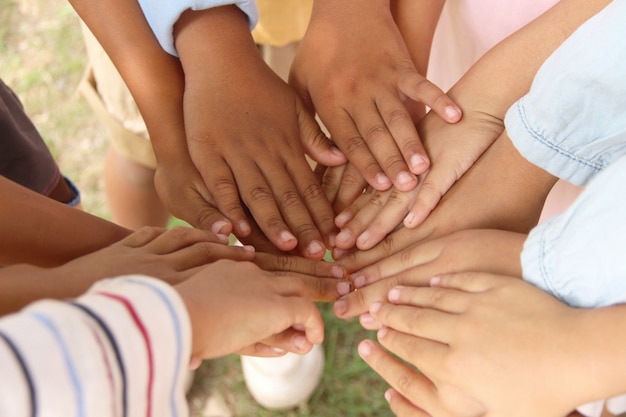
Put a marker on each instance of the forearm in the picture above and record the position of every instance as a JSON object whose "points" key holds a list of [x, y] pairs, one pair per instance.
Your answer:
{"points": [[505, 73], [40, 231], [417, 21], [154, 77]]}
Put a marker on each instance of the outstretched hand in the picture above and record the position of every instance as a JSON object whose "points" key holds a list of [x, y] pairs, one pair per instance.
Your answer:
{"points": [[359, 92]]}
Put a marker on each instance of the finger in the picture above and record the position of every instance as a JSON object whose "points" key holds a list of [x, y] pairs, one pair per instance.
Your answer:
{"points": [[261, 350], [401, 406], [180, 237], [351, 187], [289, 340], [330, 178], [387, 219], [261, 200], [318, 206], [202, 253], [383, 146], [315, 288], [426, 355], [315, 142], [306, 317], [418, 88], [359, 302], [473, 282], [402, 128], [271, 262], [297, 200], [346, 136], [411, 384], [393, 243], [221, 184], [442, 299], [142, 236], [434, 185], [348, 213], [363, 211], [421, 322], [408, 264]]}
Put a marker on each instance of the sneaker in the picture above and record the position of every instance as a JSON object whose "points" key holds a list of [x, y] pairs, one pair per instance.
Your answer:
{"points": [[284, 382]]}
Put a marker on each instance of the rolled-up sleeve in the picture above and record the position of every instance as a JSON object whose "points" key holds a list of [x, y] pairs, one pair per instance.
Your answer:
{"points": [[579, 256], [162, 15], [572, 122]]}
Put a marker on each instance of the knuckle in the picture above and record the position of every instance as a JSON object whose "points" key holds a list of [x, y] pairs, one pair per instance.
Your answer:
{"points": [[397, 115], [376, 133], [290, 198], [353, 144], [260, 193], [313, 192]]}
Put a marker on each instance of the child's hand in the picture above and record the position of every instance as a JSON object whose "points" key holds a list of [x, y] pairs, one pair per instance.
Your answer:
{"points": [[486, 345], [243, 127], [354, 69], [235, 305], [171, 255], [492, 251]]}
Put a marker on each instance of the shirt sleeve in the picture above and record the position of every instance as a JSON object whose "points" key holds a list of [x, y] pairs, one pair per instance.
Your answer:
{"points": [[162, 15], [578, 256], [121, 349], [572, 122]]}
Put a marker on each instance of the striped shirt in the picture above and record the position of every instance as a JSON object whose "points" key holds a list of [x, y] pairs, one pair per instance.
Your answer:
{"points": [[121, 349]]}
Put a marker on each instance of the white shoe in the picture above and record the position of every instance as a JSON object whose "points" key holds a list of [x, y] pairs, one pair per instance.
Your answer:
{"points": [[284, 382]]}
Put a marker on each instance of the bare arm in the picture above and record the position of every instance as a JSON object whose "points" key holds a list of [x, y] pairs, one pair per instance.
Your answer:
{"points": [[38, 230]]}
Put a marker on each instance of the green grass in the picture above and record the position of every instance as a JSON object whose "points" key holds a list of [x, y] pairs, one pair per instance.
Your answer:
{"points": [[42, 59]]}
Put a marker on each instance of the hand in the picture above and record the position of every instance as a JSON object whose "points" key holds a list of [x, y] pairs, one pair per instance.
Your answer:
{"points": [[501, 191], [359, 93], [249, 149], [494, 251], [487, 345], [171, 255], [233, 306]]}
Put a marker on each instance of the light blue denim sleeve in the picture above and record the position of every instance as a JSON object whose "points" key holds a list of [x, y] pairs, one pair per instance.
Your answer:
{"points": [[572, 121], [163, 14], [579, 256]]}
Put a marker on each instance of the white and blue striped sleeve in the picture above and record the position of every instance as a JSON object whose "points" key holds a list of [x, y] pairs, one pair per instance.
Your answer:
{"points": [[162, 15], [122, 349]]}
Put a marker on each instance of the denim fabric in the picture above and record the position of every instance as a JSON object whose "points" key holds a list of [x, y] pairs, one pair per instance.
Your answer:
{"points": [[579, 256], [162, 15], [572, 123]]}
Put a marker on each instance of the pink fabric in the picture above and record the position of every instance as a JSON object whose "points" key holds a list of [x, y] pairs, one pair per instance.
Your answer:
{"points": [[469, 28]]}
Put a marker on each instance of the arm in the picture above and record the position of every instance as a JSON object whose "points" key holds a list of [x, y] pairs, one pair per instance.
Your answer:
{"points": [[483, 334], [485, 93], [357, 91], [156, 82], [134, 335], [41, 231], [248, 150]]}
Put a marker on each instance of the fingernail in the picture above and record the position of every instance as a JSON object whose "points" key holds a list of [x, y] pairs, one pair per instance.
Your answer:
{"points": [[359, 281], [331, 239], [382, 180], [434, 281], [374, 308], [388, 395], [344, 288], [249, 248], [286, 236], [345, 237], [337, 271], [363, 238], [342, 219], [366, 318], [299, 342], [408, 219], [382, 333], [339, 253], [452, 113], [340, 307], [315, 247], [278, 350], [406, 178], [244, 228], [365, 349], [336, 151], [394, 294], [418, 162], [219, 228]]}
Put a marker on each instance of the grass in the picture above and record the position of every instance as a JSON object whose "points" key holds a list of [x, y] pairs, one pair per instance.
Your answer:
{"points": [[42, 59]]}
